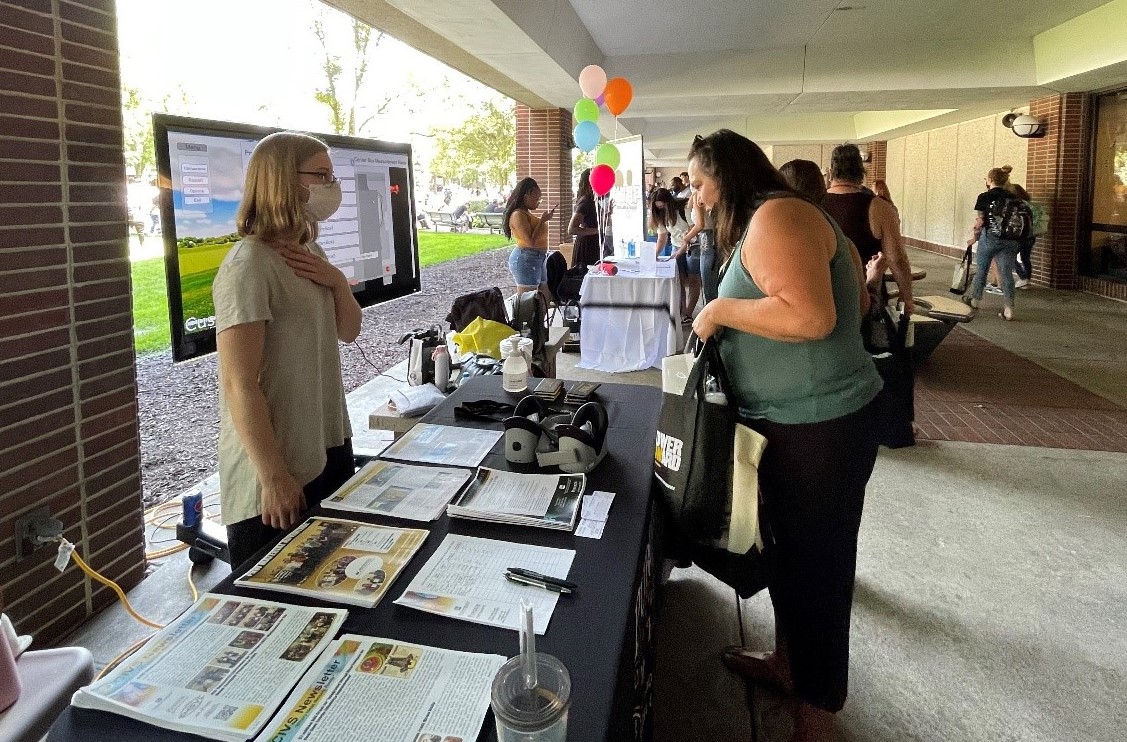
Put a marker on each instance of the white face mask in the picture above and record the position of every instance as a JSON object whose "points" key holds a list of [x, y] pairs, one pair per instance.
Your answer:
{"points": [[324, 200]]}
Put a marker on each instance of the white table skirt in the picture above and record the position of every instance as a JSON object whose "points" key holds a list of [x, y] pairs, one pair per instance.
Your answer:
{"points": [[632, 334]]}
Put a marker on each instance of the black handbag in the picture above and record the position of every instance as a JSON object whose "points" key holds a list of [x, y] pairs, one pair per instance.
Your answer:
{"points": [[895, 404], [693, 450]]}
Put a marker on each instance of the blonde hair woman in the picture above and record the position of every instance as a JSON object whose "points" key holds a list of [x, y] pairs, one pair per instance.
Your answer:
{"points": [[992, 248], [280, 308]]}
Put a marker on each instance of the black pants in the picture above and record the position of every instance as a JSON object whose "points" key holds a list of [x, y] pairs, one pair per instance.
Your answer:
{"points": [[247, 537], [1024, 256], [813, 477]]}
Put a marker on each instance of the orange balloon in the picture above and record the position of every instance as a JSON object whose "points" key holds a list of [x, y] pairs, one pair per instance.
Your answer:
{"points": [[617, 95]]}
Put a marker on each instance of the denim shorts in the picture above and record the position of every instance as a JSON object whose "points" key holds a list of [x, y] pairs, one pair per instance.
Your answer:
{"points": [[527, 266], [688, 263]]}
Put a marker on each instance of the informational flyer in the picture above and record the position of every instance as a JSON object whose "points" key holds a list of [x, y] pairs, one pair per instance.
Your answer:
{"points": [[367, 688], [465, 579], [399, 490], [542, 500], [443, 444], [339, 560], [220, 670]]}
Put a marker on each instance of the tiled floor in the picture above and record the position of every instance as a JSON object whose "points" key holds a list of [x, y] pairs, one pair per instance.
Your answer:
{"points": [[974, 391]]}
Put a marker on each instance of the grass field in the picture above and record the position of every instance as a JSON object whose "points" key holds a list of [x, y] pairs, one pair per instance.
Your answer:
{"points": [[150, 294]]}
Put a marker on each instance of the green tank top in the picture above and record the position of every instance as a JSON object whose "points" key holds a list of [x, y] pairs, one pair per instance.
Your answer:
{"points": [[804, 382]]}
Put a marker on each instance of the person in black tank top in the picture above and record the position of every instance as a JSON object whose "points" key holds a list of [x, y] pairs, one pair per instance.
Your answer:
{"points": [[871, 223]]}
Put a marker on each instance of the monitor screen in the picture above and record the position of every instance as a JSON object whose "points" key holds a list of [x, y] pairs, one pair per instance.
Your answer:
{"points": [[201, 167]]}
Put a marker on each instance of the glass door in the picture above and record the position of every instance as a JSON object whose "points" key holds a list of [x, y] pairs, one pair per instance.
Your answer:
{"points": [[1106, 253]]}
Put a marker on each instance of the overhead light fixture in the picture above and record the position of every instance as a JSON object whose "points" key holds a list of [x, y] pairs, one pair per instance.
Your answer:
{"points": [[1024, 125]]}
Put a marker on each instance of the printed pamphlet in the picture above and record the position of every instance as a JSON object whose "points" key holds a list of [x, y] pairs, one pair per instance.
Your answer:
{"points": [[366, 688], [443, 444], [544, 500], [339, 560], [220, 669], [399, 490]]}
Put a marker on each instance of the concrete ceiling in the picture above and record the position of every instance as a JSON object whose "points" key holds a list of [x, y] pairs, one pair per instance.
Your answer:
{"points": [[778, 71]]}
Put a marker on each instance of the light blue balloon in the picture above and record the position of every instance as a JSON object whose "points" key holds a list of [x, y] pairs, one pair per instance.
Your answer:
{"points": [[586, 135]]}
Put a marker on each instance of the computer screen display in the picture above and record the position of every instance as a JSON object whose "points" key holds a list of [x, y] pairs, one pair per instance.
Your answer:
{"points": [[201, 168]]}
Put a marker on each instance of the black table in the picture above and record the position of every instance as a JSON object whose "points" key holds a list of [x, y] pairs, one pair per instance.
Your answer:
{"points": [[603, 634]]}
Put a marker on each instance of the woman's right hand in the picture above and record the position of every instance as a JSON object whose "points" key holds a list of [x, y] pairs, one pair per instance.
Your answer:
{"points": [[283, 502]]}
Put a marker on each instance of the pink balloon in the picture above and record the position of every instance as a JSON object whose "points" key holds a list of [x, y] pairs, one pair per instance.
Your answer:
{"points": [[602, 179], [592, 80]]}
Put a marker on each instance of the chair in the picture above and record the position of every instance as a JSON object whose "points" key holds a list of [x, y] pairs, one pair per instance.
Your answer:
{"points": [[49, 678]]}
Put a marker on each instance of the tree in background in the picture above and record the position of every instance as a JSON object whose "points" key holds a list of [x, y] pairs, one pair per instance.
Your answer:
{"points": [[481, 152], [137, 125]]}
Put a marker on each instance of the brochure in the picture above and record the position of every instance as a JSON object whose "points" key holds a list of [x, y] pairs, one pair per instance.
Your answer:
{"points": [[220, 669], [544, 500], [465, 579], [399, 490], [339, 560], [444, 444], [366, 688]]}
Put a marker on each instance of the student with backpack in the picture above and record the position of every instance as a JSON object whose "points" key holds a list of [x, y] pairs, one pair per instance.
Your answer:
{"points": [[1003, 221]]}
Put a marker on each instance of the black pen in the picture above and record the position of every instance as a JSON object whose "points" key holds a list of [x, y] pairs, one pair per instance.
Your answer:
{"points": [[529, 574], [537, 583]]}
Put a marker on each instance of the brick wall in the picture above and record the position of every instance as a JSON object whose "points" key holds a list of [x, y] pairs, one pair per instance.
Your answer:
{"points": [[544, 153], [68, 396], [1055, 177], [875, 167]]}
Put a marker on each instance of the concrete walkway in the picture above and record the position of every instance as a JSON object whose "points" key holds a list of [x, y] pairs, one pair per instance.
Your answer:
{"points": [[992, 580]]}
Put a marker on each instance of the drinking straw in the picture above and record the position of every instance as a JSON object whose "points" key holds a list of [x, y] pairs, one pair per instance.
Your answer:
{"points": [[527, 644]]}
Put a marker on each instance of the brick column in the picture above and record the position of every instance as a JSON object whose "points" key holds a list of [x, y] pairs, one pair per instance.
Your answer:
{"points": [[1056, 163], [544, 153], [68, 392], [875, 168]]}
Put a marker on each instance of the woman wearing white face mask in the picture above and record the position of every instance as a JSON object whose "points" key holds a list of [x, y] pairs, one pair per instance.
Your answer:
{"points": [[280, 308]]}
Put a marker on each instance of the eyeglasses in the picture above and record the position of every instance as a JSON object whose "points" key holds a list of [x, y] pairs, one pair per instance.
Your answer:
{"points": [[326, 178]]}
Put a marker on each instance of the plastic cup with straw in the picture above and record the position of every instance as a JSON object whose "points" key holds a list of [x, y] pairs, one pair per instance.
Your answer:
{"points": [[531, 692]]}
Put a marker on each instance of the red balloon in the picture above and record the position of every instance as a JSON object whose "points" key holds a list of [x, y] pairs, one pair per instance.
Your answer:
{"points": [[602, 179], [617, 95]]}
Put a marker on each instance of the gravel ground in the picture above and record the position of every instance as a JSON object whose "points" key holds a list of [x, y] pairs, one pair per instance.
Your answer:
{"points": [[178, 403]]}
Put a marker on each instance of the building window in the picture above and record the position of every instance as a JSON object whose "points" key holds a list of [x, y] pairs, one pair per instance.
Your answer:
{"points": [[1105, 253]]}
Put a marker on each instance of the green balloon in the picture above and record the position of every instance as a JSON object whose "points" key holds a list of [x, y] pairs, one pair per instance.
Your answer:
{"points": [[586, 110], [608, 155]]}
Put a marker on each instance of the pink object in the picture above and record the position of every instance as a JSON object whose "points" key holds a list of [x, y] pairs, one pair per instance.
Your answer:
{"points": [[592, 80], [609, 269], [602, 179], [9, 676]]}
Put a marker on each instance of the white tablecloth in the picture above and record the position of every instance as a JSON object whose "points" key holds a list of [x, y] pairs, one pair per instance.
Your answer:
{"points": [[632, 334]]}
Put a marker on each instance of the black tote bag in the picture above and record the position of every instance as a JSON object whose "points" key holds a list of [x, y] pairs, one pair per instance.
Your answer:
{"points": [[895, 403], [693, 450]]}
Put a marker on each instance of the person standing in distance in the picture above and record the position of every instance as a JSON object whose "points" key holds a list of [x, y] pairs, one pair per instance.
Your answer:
{"points": [[530, 232], [280, 308]]}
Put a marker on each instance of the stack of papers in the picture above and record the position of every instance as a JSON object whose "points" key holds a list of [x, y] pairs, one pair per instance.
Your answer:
{"points": [[543, 500], [444, 444]]}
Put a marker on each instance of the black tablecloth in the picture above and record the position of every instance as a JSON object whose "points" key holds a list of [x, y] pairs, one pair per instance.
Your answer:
{"points": [[602, 633]]}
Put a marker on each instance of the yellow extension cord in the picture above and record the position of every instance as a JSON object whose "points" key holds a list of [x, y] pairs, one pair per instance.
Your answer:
{"points": [[151, 516]]}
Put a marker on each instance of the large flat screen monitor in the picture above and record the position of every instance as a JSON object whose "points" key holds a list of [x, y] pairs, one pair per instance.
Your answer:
{"points": [[202, 167]]}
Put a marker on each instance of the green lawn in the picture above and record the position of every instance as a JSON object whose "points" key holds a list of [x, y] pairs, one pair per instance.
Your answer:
{"points": [[150, 301]]}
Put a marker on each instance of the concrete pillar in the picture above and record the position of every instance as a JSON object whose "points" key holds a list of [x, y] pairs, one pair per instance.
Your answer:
{"points": [[1056, 164], [544, 153]]}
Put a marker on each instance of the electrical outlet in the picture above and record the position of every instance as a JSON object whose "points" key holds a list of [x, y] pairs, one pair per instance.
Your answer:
{"points": [[31, 525]]}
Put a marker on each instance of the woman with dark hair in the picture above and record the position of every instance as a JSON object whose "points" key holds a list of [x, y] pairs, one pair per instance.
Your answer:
{"points": [[585, 224], [667, 216], [805, 177], [790, 337], [526, 261]]}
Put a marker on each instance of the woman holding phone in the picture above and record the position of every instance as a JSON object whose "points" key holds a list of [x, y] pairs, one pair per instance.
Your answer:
{"points": [[526, 261]]}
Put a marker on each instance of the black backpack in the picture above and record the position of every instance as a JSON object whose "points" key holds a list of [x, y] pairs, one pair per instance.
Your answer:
{"points": [[1011, 219], [487, 304], [530, 310]]}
